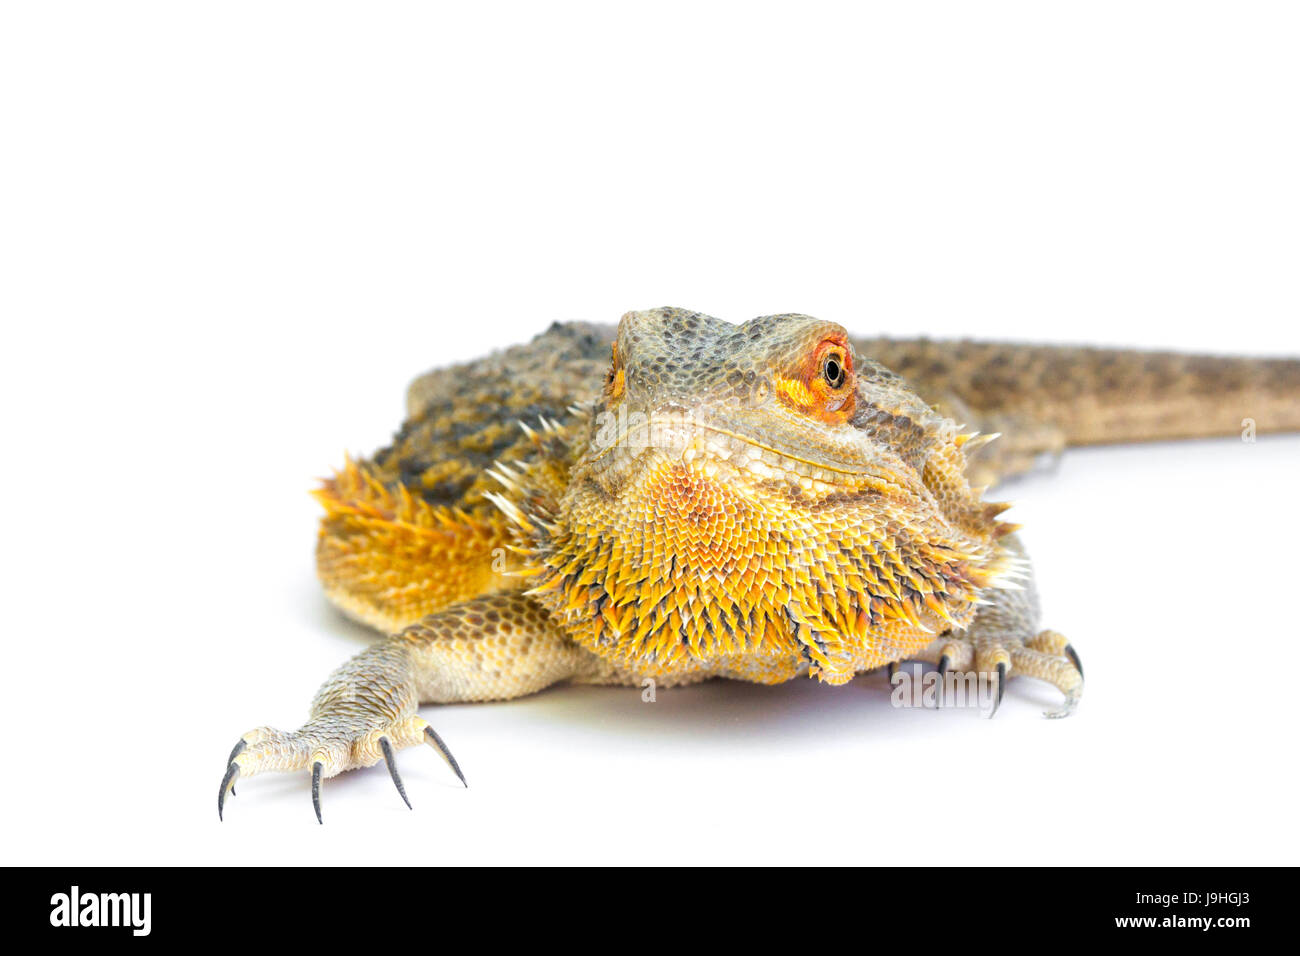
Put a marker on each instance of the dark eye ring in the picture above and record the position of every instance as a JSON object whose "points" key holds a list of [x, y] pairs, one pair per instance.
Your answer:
{"points": [[833, 371]]}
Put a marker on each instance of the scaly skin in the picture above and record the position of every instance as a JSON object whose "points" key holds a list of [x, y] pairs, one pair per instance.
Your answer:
{"points": [[702, 500]]}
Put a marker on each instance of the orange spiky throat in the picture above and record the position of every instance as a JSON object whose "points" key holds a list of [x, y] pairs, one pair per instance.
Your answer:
{"points": [[696, 559]]}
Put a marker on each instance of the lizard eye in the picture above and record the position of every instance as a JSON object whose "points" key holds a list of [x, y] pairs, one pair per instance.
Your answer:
{"points": [[833, 370], [614, 378]]}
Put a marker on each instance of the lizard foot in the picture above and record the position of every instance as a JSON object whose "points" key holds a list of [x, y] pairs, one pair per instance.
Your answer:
{"points": [[1047, 656], [327, 746]]}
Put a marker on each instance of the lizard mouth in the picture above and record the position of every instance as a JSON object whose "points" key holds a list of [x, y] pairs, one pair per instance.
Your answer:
{"points": [[812, 456]]}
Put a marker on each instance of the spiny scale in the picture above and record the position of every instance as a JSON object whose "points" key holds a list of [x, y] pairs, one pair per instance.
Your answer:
{"points": [[696, 571]]}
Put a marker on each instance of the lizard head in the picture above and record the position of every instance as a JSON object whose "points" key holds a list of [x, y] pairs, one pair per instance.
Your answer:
{"points": [[762, 495]]}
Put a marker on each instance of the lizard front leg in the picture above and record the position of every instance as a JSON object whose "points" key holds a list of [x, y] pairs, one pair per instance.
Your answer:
{"points": [[1006, 639], [491, 648]]}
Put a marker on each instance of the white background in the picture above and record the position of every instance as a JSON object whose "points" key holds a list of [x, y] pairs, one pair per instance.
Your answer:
{"points": [[233, 232]]}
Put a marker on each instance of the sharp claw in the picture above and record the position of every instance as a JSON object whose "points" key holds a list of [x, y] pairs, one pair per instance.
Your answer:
{"points": [[227, 781], [239, 749], [1002, 683], [891, 670], [1073, 655], [438, 745], [943, 666], [315, 789], [392, 769]]}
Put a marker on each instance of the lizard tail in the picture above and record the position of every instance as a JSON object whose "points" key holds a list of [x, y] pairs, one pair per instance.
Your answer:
{"points": [[1097, 396]]}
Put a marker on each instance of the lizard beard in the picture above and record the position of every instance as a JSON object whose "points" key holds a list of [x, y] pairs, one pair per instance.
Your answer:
{"points": [[698, 560]]}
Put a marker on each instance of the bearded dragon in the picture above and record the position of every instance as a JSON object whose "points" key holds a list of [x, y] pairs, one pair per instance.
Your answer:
{"points": [[680, 498]]}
